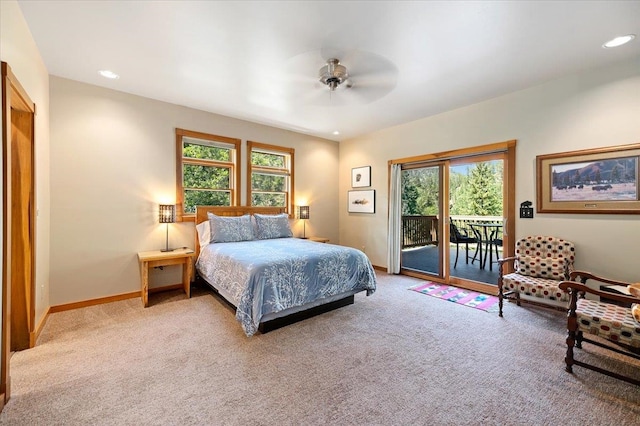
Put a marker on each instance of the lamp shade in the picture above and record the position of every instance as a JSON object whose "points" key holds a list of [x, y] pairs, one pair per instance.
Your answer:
{"points": [[303, 212], [167, 213]]}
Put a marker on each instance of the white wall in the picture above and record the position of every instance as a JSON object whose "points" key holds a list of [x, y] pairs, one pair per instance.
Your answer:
{"points": [[113, 162], [592, 109], [19, 51]]}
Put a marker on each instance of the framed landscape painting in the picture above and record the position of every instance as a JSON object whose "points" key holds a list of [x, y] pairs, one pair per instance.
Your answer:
{"points": [[602, 180]]}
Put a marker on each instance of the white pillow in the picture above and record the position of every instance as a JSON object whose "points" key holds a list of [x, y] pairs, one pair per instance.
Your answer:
{"points": [[204, 233]]}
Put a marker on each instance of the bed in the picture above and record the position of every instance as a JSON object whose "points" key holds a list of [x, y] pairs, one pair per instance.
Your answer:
{"points": [[270, 278]]}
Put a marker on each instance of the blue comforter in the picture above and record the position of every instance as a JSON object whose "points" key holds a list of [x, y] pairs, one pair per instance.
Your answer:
{"points": [[268, 276]]}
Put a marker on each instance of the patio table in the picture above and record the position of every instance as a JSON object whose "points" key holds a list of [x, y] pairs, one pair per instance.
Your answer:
{"points": [[486, 234]]}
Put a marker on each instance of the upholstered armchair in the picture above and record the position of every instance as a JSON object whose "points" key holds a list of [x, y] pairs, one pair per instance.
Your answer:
{"points": [[540, 264], [610, 319]]}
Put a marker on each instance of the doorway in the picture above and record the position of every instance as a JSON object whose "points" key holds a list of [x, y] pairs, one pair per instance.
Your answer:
{"points": [[458, 241], [18, 227]]}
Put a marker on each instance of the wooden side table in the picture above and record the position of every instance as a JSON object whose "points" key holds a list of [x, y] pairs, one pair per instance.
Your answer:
{"points": [[155, 258], [319, 239]]}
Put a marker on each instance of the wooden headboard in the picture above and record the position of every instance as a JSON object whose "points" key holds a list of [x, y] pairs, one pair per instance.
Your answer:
{"points": [[201, 215]]}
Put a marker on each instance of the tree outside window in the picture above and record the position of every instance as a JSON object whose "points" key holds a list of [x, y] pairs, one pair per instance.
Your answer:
{"points": [[206, 171], [475, 190], [270, 175]]}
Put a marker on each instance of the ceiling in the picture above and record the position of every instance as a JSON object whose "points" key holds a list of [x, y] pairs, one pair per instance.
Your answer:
{"points": [[259, 61]]}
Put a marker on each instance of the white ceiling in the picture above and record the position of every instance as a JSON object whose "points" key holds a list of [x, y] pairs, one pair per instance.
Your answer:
{"points": [[259, 60]]}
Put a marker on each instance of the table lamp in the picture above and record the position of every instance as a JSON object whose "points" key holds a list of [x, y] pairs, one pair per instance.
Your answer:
{"points": [[167, 215], [303, 213]]}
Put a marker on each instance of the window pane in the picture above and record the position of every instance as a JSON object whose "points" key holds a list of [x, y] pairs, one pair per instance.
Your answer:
{"points": [[264, 182], [195, 176], [191, 150], [193, 198], [268, 160], [268, 199]]}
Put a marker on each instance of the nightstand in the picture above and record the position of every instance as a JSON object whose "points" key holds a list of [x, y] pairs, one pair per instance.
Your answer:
{"points": [[319, 239], [155, 258]]}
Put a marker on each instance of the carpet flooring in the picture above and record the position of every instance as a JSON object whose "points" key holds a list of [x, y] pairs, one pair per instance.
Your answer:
{"points": [[461, 296], [393, 358]]}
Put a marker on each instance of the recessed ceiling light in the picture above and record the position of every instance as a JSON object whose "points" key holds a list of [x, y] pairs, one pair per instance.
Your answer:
{"points": [[619, 41], [335, 132], [109, 74]]}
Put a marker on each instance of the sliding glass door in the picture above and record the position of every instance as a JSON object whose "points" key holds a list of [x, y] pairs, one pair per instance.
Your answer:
{"points": [[476, 215], [456, 212], [421, 212]]}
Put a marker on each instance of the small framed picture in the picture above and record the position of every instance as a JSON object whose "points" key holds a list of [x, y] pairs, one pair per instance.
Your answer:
{"points": [[361, 177], [362, 201]]}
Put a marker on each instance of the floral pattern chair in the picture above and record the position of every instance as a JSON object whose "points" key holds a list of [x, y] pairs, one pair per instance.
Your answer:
{"points": [[610, 318], [540, 264]]}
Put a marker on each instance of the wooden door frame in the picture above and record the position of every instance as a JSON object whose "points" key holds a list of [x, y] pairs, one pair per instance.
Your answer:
{"points": [[508, 149], [14, 97]]}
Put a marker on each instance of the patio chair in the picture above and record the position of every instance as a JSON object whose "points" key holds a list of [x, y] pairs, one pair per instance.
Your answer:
{"points": [[495, 244], [610, 319], [540, 264], [457, 237]]}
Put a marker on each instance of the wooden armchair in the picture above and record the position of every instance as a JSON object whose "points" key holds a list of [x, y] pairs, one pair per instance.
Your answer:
{"points": [[609, 318], [540, 264]]}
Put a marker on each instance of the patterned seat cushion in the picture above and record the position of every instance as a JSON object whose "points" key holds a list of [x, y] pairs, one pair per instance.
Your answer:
{"points": [[609, 321], [541, 264], [534, 286], [544, 257]]}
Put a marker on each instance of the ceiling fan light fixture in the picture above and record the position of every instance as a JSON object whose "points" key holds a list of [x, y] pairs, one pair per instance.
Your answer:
{"points": [[333, 74]]}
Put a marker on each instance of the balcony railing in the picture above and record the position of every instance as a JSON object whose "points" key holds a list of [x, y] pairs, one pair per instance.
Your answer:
{"points": [[463, 222], [420, 231]]}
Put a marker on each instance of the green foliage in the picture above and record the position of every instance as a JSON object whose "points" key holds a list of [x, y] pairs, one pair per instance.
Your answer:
{"points": [[269, 189], [193, 198], [205, 177], [460, 192], [267, 182], [475, 190], [485, 187], [201, 182], [268, 199], [420, 191], [263, 159], [409, 198], [206, 152]]}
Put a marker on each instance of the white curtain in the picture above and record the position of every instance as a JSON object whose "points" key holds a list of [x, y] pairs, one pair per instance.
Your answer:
{"points": [[395, 220]]}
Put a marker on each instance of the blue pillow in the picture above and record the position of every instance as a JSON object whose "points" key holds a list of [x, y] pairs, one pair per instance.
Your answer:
{"points": [[227, 229], [273, 226]]}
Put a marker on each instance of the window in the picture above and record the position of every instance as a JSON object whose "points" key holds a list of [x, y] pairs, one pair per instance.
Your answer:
{"points": [[270, 175], [207, 172]]}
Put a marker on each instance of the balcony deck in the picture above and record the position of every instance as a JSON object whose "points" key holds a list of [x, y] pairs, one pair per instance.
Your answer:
{"points": [[421, 259], [420, 250]]}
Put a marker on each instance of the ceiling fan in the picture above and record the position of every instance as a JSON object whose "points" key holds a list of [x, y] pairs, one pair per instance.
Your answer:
{"points": [[368, 77], [333, 74]]}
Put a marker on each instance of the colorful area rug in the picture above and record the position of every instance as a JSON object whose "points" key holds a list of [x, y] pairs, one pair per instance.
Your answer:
{"points": [[457, 295]]}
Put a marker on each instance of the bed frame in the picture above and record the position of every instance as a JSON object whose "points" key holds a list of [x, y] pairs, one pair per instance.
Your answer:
{"points": [[287, 318]]}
